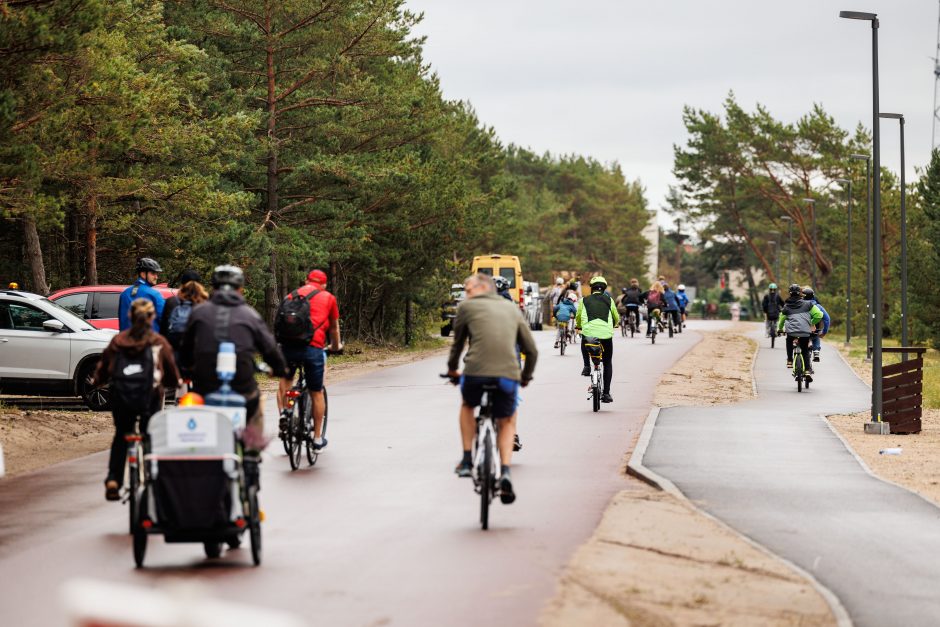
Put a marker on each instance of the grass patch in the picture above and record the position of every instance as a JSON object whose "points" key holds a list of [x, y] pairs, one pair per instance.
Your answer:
{"points": [[855, 355]]}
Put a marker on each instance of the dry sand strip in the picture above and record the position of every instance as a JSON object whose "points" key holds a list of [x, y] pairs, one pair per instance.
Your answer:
{"points": [[654, 560], [33, 439]]}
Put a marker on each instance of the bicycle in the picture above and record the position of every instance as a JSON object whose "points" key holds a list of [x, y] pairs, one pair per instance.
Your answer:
{"points": [[562, 336], [624, 324], [484, 453], [596, 353], [133, 474], [656, 324], [771, 332], [669, 323], [572, 332], [633, 320], [799, 367], [298, 433]]}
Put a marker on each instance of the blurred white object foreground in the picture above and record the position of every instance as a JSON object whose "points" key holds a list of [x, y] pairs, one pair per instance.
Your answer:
{"points": [[2, 469], [181, 604]]}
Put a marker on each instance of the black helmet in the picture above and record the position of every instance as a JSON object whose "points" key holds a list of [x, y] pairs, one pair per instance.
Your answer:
{"points": [[146, 264], [796, 290], [623, 290], [228, 275], [808, 293], [502, 283]]}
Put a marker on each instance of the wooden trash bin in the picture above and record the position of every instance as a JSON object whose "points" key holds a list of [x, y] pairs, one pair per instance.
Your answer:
{"points": [[903, 391]]}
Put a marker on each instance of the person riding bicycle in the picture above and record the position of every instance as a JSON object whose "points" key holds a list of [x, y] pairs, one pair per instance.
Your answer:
{"points": [[306, 317], [683, 299], [494, 330], [810, 295], [771, 305], [502, 287], [139, 364], [632, 299], [564, 312], [654, 304], [597, 317], [148, 271], [672, 304], [225, 317], [800, 319]]}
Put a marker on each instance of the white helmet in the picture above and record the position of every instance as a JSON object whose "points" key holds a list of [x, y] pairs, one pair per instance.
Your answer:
{"points": [[681, 287], [572, 298], [559, 281]]}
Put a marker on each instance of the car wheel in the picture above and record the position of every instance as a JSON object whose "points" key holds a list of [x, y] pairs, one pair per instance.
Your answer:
{"points": [[96, 398]]}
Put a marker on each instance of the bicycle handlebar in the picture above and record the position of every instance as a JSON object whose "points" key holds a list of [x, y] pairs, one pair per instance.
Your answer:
{"points": [[453, 380]]}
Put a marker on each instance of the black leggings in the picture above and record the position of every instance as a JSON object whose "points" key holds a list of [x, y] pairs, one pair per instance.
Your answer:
{"points": [[804, 348], [124, 419], [607, 360]]}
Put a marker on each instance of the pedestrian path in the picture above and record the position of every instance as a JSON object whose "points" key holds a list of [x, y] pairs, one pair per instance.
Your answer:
{"points": [[772, 469]]}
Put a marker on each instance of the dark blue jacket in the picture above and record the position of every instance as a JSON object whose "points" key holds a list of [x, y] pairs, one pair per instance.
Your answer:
{"points": [[143, 291], [672, 303]]}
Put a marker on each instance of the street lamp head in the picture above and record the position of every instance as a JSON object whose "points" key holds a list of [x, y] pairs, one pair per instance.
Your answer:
{"points": [[788, 218], [892, 116], [860, 157], [842, 181], [858, 15], [810, 200]]}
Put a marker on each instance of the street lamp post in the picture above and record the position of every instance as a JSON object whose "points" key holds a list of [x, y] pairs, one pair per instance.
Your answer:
{"points": [[789, 221], [904, 323], [877, 311], [848, 270], [812, 260], [868, 281]]}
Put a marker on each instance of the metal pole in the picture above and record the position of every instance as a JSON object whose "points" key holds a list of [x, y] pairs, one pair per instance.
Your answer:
{"points": [[848, 274], [904, 322], [790, 252], [868, 310], [812, 208], [877, 313]]}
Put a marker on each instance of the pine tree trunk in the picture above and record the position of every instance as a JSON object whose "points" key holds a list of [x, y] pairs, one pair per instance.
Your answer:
{"points": [[34, 256], [91, 241], [270, 290]]}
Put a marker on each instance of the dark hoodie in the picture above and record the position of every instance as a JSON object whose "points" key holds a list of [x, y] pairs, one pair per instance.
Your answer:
{"points": [[124, 342], [200, 345]]}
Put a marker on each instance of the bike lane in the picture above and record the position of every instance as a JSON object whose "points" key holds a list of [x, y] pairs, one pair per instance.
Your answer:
{"points": [[774, 470], [380, 531]]}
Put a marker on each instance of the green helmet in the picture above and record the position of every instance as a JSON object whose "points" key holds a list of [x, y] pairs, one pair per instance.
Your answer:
{"points": [[772, 286], [598, 279]]}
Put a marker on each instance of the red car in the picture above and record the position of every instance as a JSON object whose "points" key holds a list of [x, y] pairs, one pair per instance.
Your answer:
{"points": [[98, 304]]}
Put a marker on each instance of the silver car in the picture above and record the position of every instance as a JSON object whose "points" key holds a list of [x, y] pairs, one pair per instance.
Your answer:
{"points": [[47, 350]]}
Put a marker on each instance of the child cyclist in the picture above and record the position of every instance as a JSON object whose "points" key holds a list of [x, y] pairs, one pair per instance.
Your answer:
{"points": [[810, 295], [564, 311], [800, 319]]}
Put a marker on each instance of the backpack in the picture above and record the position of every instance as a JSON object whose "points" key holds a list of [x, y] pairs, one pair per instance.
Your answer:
{"points": [[179, 317], [654, 298], [132, 381], [293, 325]]}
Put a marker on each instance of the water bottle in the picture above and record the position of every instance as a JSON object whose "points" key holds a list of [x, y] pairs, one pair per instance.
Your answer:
{"points": [[890, 451], [224, 397]]}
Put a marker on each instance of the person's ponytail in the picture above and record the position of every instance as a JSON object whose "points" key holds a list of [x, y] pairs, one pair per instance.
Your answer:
{"points": [[141, 314]]}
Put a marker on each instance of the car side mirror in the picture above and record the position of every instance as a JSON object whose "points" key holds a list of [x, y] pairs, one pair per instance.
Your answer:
{"points": [[54, 326]]}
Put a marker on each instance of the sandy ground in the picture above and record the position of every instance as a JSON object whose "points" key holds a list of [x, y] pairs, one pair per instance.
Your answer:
{"points": [[33, 439], [654, 560], [918, 465]]}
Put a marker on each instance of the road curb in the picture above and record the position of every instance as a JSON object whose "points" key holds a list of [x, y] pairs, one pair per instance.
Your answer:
{"points": [[635, 468]]}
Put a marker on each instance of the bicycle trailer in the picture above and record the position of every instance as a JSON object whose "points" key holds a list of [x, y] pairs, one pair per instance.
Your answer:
{"points": [[194, 486]]}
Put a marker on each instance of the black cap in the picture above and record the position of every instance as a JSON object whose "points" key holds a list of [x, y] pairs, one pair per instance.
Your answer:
{"points": [[189, 275], [796, 289]]}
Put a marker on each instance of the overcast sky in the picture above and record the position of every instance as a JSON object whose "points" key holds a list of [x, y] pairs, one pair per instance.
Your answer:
{"points": [[609, 78]]}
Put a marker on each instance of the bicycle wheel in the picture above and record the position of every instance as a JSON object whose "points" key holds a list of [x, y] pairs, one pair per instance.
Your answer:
{"points": [[486, 482], [773, 336], [653, 336], [564, 340], [669, 325], [798, 369], [140, 546], [133, 494], [254, 525], [297, 424], [312, 454], [596, 392]]}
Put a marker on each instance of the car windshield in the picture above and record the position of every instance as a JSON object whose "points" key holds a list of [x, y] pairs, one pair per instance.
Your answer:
{"points": [[68, 317]]}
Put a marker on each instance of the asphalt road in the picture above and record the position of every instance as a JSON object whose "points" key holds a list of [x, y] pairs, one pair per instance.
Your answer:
{"points": [[773, 469], [380, 531]]}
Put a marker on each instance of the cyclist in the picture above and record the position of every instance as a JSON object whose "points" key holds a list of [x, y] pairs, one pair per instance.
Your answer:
{"points": [[632, 299], [494, 329], [139, 363], [771, 305], [597, 317], [564, 312], [671, 303], [502, 287], [558, 292], [320, 318], [177, 308], [225, 317], [800, 319], [683, 301], [654, 302], [148, 271], [810, 295]]}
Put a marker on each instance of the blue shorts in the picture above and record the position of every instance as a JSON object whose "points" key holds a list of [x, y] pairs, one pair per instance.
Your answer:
{"points": [[314, 363], [505, 398]]}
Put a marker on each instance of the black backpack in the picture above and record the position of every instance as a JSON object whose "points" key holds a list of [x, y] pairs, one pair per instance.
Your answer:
{"points": [[132, 379], [293, 326]]}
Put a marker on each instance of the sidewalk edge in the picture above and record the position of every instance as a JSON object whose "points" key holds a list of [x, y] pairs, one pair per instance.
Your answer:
{"points": [[635, 468]]}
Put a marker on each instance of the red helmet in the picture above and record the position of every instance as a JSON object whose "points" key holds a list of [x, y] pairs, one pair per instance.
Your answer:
{"points": [[317, 276]]}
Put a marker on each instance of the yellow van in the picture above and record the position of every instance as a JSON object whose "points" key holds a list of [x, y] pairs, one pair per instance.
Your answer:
{"points": [[506, 266]]}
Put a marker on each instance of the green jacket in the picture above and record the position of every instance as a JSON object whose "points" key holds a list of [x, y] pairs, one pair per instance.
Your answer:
{"points": [[597, 316], [799, 317]]}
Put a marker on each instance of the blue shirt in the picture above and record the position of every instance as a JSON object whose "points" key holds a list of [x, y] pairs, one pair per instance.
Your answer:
{"points": [[565, 310], [143, 291], [672, 303], [683, 300]]}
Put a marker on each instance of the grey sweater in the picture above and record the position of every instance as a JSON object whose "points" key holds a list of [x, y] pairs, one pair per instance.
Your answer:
{"points": [[494, 326]]}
